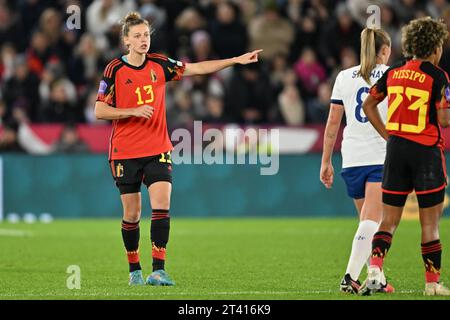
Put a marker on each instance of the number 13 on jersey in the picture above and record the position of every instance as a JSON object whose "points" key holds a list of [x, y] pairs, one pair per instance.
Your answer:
{"points": [[148, 91]]}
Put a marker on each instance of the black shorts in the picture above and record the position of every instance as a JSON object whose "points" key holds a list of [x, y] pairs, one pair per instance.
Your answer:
{"points": [[130, 173], [412, 166]]}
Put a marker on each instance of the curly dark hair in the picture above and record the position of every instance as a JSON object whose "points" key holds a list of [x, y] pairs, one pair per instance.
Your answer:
{"points": [[420, 37]]}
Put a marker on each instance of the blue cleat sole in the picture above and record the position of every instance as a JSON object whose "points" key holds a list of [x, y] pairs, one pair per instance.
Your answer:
{"points": [[159, 278]]}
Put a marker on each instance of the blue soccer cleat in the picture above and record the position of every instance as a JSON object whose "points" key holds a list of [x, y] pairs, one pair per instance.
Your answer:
{"points": [[136, 278], [159, 278]]}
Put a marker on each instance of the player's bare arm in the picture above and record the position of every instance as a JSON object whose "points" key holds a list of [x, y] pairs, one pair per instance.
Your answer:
{"points": [[211, 66], [370, 107], [330, 135], [106, 112], [444, 117]]}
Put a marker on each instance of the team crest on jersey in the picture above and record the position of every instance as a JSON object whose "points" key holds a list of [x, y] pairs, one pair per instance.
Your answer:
{"points": [[153, 75], [119, 170]]}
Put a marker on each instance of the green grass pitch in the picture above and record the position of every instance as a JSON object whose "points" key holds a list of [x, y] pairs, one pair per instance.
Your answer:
{"points": [[229, 259]]}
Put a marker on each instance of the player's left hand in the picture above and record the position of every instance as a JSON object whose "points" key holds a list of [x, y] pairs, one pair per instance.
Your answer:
{"points": [[327, 175], [249, 57]]}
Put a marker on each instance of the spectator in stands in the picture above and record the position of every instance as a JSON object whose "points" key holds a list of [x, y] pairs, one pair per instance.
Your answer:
{"points": [[317, 107], [248, 10], [201, 47], [306, 35], [309, 72], [87, 61], [67, 44], [278, 70], [389, 22], [195, 30], [199, 89], [8, 138], [60, 107], [436, 7], [101, 15], [271, 32], [249, 95], [189, 21], [11, 30], [338, 33], [39, 53], [50, 25], [348, 58], [61, 40], [291, 106], [8, 55], [2, 111], [182, 114], [114, 43], [69, 141], [293, 10], [319, 9], [22, 89], [215, 110], [54, 78], [406, 9], [30, 12], [227, 31]]}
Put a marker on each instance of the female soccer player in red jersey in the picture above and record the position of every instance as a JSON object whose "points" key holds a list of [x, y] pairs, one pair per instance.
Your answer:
{"points": [[418, 95], [132, 95]]}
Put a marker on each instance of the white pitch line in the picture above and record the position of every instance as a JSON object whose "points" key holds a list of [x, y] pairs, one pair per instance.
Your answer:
{"points": [[15, 233], [154, 294]]}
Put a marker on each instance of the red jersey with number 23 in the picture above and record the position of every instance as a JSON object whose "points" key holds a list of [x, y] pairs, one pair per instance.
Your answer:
{"points": [[416, 90], [127, 86]]}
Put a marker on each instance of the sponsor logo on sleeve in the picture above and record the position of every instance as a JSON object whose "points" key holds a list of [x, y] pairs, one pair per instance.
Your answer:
{"points": [[178, 63], [102, 87], [447, 93]]}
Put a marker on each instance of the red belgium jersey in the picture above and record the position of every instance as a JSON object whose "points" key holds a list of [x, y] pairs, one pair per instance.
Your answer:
{"points": [[415, 90], [126, 86]]}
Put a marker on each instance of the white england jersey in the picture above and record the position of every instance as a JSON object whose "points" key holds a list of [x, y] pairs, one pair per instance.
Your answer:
{"points": [[362, 145]]}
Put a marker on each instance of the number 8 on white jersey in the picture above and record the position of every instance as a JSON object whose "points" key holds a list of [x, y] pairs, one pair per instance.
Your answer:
{"points": [[361, 145]]}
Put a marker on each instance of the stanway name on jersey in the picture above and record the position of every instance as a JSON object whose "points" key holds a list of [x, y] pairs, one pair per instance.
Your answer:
{"points": [[376, 73]]}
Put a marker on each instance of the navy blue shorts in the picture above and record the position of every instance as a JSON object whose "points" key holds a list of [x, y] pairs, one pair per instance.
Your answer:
{"points": [[356, 177]]}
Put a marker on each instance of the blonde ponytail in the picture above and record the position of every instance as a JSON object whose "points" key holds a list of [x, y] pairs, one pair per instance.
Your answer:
{"points": [[371, 42], [368, 53]]}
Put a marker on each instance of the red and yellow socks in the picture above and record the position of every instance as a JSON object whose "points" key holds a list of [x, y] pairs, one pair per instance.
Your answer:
{"points": [[130, 236], [380, 246], [159, 234], [431, 255]]}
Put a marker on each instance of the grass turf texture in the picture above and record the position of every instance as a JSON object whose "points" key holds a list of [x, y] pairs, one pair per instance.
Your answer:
{"points": [[208, 259]]}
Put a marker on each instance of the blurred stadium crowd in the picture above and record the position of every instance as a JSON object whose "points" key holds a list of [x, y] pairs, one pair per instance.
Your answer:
{"points": [[50, 74]]}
